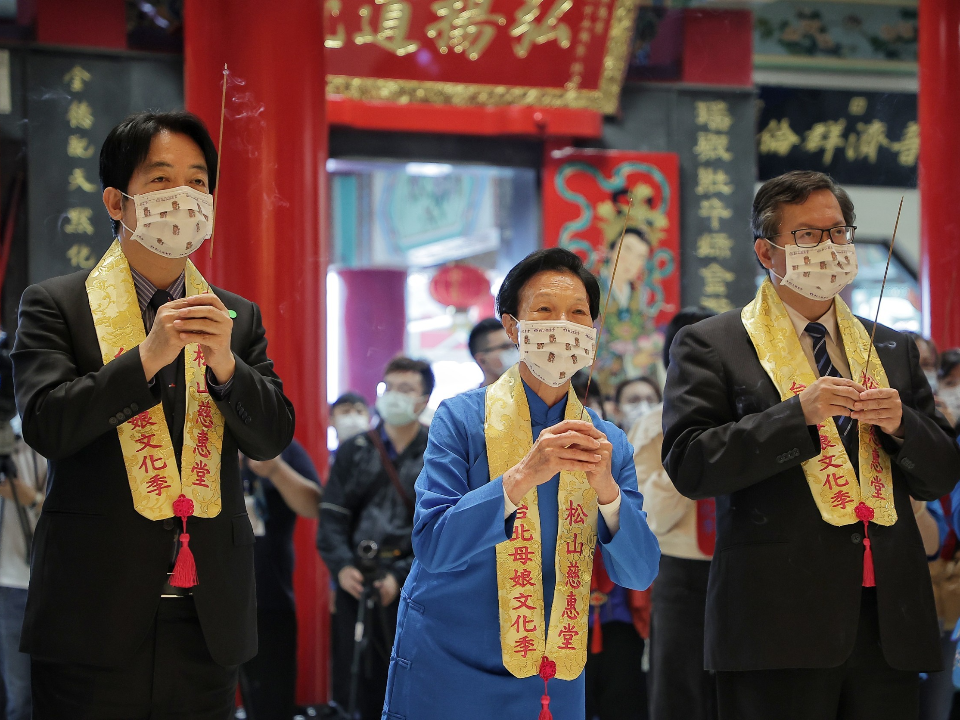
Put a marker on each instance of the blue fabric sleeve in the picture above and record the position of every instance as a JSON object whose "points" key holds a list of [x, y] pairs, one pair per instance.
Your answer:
{"points": [[296, 457], [936, 509], [632, 556], [452, 523]]}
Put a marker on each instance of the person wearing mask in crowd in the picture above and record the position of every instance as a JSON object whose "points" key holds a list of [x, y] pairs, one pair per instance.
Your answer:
{"points": [[680, 689], [813, 459], [634, 398], [929, 357], [22, 482], [948, 383], [940, 543], [140, 382], [520, 483], [619, 623], [491, 349], [276, 491], [370, 497], [350, 416]]}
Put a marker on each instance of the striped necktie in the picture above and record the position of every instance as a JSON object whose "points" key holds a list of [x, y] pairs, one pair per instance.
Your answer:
{"points": [[846, 426]]}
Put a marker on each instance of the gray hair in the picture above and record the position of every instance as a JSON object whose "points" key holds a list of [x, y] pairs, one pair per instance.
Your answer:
{"points": [[793, 188]]}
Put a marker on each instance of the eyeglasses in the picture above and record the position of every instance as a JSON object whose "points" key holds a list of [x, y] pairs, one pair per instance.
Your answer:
{"points": [[811, 237]]}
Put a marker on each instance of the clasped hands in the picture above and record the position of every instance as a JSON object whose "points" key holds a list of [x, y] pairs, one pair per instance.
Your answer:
{"points": [[202, 319], [572, 446], [832, 396]]}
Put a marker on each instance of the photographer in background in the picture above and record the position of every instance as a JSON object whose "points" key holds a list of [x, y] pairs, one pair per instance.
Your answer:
{"points": [[23, 478], [275, 492], [370, 497]]}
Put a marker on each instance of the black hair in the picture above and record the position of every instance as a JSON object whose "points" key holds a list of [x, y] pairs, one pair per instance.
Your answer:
{"points": [[128, 145], [793, 188], [479, 332], [687, 316], [508, 299], [638, 232], [930, 344], [579, 383], [405, 364], [949, 361], [349, 398], [624, 384]]}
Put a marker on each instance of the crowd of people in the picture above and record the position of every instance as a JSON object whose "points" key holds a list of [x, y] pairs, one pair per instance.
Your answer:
{"points": [[770, 534]]}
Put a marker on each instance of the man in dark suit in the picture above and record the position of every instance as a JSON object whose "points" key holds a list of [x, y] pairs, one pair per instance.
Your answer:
{"points": [[820, 603], [111, 631]]}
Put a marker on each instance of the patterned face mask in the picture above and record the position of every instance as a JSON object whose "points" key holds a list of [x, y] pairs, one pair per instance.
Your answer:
{"points": [[172, 223], [553, 350], [820, 272]]}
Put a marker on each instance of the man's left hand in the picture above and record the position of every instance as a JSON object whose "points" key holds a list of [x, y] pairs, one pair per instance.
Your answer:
{"points": [[204, 319], [263, 468], [602, 479], [389, 589], [880, 407]]}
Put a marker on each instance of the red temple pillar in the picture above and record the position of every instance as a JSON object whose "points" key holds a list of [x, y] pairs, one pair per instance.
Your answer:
{"points": [[270, 235], [938, 110]]}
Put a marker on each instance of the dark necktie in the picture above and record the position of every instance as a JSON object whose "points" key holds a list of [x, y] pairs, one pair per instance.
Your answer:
{"points": [[846, 426], [167, 376]]}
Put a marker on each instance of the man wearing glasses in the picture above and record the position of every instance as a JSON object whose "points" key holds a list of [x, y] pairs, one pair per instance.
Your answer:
{"points": [[820, 603]]}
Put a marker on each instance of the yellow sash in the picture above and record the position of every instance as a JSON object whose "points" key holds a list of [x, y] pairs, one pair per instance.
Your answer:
{"points": [[145, 439], [830, 475], [519, 571]]}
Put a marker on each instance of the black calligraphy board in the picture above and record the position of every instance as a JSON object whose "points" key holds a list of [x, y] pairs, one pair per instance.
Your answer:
{"points": [[73, 101], [859, 138], [713, 133]]}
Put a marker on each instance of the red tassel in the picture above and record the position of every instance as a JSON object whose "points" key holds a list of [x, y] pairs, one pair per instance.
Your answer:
{"points": [[548, 670], [865, 513], [869, 580], [596, 642], [185, 568]]}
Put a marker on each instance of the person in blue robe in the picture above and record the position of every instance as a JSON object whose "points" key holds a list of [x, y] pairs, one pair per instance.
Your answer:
{"points": [[447, 661]]}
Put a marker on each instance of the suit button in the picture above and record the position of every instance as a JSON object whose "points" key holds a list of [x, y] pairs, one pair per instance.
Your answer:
{"points": [[168, 524], [134, 407], [127, 412], [113, 421], [121, 417], [856, 538], [246, 420], [907, 463]]}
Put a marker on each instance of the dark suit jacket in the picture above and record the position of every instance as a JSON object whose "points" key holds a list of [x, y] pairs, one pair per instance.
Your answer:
{"points": [[785, 586], [98, 566]]}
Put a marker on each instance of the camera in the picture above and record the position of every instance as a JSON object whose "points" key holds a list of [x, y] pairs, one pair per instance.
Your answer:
{"points": [[368, 561]]}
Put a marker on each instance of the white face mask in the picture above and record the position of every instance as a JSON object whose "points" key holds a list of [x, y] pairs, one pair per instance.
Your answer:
{"points": [[553, 350], [951, 398], [633, 412], [172, 223], [350, 425], [820, 272], [932, 379], [396, 408], [507, 359]]}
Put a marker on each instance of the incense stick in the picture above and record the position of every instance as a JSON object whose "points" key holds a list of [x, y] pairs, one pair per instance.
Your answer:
{"points": [[876, 319], [603, 316], [216, 183]]}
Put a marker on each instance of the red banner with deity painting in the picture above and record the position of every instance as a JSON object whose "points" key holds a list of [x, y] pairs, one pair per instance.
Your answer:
{"points": [[586, 196], [550, 53]]}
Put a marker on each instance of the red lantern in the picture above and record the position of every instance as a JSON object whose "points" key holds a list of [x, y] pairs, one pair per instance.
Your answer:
{"points": [[460, 285]]}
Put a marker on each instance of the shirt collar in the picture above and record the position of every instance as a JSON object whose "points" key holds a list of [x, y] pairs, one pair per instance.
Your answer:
{"points": [[540, 414], [828, 320], [146, 289]]}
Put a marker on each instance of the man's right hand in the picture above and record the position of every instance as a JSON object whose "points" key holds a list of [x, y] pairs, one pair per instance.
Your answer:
{"points": [[351, 580], [163, 344], [571, 445], [829, 397]]}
